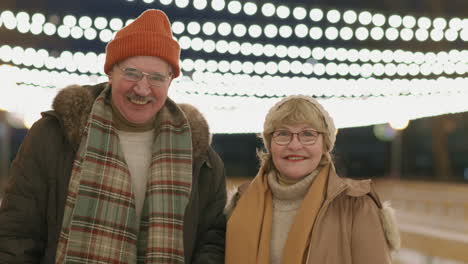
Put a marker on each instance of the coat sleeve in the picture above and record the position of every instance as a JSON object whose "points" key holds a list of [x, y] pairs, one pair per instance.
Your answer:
{"points": [[209, 248], [22, 213], [368, 242]]}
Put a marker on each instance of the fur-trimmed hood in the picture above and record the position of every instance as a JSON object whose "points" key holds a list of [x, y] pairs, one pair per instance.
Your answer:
{"points": [[72, 106]]}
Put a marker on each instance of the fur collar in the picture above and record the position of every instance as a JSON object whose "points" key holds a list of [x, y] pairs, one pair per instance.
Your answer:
{"points": [[73, 104]]}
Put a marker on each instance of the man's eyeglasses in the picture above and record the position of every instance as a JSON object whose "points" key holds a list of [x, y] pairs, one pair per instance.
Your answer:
{"points": [[154, 79], [306, 137]]}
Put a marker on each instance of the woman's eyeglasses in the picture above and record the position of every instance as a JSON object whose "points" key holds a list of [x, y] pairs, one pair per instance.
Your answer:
{"points": [[306, 137]]}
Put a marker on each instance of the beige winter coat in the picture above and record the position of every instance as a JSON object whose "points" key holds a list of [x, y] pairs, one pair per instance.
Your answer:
{"points": [[352, 226]]}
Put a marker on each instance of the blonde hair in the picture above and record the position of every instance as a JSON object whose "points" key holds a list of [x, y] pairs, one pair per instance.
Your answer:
{"points": [[297, 110]]}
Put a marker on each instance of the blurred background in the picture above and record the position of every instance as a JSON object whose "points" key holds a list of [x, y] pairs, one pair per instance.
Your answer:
{"points": [[393, 74]]}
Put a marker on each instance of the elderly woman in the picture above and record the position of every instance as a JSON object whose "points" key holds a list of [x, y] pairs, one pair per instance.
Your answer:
{"points": [[297, 210]]}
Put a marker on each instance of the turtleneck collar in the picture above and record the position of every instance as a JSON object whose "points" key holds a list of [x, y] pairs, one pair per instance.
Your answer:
{"points": [[124, 125], [292, 191], [285, 180]]}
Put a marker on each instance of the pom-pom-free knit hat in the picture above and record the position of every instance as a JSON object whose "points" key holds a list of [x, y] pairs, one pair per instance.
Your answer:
{"points": [[329, 123], [149, 34]]}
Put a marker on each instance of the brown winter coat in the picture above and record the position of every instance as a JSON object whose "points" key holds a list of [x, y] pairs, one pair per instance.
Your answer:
{"points": [[352, 226], [32, 209]]}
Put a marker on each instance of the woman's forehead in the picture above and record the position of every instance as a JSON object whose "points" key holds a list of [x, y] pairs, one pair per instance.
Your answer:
{"points": [[290, 126]]}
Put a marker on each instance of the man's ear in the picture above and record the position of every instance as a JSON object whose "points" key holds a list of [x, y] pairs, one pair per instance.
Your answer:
{"points": [[109, 76], [170, 81]]}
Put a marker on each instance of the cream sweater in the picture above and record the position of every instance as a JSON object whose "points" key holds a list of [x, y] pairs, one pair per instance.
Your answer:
{"points": [[286, 202], [136, 148]]}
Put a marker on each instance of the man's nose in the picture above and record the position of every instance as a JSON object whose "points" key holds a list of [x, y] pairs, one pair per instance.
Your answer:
{"points": [[142, 87]]}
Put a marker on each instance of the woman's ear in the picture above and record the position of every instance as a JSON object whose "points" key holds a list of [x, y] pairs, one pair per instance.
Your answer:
{"points": [[325, 146]]}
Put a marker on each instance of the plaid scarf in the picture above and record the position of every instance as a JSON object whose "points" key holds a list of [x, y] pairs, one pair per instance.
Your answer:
{"points": [[100, 224]]}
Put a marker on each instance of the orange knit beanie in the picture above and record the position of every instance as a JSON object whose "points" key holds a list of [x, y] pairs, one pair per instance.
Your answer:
{"points": [[148, 35]]}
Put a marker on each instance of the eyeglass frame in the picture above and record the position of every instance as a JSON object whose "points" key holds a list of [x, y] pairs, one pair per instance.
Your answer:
{"points": [[298, 136], [144, 74]]}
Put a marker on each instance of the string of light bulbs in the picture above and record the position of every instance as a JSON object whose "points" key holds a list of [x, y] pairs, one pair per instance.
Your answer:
{"points": [[269, 86], [73, 27], [323, 61], [315, 14]]}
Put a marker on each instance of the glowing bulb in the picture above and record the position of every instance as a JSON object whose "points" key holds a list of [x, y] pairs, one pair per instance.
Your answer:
{"points": [[346, 33], [239, 30], [283, 11], [378, 20], [250, 8], [316, 14], [365, 18], [301, 30], [394, 21], [234, 7], [271, 31], [315, 33], [299, 13], [268, 9], [350, 16], [333, 16], [399, 123]]}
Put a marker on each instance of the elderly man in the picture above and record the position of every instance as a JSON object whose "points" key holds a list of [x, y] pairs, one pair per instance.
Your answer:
{"points": [[118, 172]]}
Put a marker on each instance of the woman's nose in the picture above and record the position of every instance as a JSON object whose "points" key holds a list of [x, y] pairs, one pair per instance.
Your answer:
{"points": [[295, 143]]}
